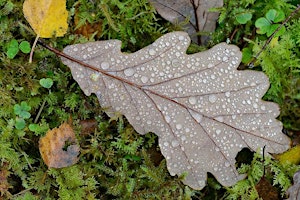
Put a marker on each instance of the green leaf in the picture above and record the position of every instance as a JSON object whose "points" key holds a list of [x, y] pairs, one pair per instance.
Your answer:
{"points": [[13, 49], [261, 22], [279, 17], [22, 110], [247, 55], [243, 18], [20, 123], [33, 127], [25, 47], [271, 29], [271, 14], [46, 82]]}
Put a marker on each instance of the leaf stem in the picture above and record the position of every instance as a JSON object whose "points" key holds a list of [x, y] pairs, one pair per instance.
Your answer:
{"points": [[32, 48]]}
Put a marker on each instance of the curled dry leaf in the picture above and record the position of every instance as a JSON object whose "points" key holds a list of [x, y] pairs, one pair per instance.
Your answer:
{"points": [[58, 147], [197, 11], [202, 108]]}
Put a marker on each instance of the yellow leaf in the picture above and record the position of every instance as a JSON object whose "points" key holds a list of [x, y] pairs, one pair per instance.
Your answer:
{"points": [[47, 18], [290, 156]]}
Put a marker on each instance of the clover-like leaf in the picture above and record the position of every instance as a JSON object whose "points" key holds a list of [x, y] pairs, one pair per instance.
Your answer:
{"points": [[46, 82], [243, 18], [266, 25], [22, 110], [202, 108]]}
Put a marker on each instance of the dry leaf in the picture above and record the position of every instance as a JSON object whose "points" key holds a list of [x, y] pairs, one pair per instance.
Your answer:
{"points": [[47, 18], [58, 147], [197, 11], [294, 190], [203, 110], [266, 190]]}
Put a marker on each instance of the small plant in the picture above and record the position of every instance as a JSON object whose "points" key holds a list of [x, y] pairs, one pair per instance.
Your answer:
{"points": [[14, 47], [268, 24], [21, 110]]}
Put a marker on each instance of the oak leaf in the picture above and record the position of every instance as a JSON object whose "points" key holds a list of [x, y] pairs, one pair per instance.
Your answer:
{"points": [[47, 18], [58, 147], [202, 108]]}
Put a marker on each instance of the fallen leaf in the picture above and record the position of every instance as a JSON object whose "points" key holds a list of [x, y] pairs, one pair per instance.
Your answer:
{"points": [[88, 126], [202, 108], [58, 147], [294, 190], [197, 11], [266, 190], [47, 18], [290, 156]]}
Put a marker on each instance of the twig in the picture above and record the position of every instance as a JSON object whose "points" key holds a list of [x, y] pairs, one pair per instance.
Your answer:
{"points": [[251, 63]]}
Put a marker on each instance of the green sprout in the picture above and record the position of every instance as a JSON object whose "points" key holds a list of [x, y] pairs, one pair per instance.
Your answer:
{"points": [[21, 110]]}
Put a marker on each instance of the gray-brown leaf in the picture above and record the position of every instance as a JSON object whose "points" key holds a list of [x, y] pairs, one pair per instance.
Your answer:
{"points": [[202, 108], [197, 11], [294, 190]]}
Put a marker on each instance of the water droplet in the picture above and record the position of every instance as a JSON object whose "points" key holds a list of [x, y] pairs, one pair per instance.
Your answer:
{"points": [[94, 77], [183, 138], [220, 119], [75, 49], [212, 98], [198, 117], [217, 149], [178, 126], [144, 79], [225, 59], [104, 65], [218, 131], [181, 38], [227, 94], [166, 144], [168, 119], [193, 100], [227, 164], [263, 107], [201, 183], [175, 63], [210, 65], [129, 72], [152, 52], [175, 143], [255, 105]]}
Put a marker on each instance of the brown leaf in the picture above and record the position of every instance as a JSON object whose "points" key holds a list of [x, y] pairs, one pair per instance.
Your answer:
{"points": [[197, 11], [58, 147], [266, 190], [88, 126], [202, 108]]}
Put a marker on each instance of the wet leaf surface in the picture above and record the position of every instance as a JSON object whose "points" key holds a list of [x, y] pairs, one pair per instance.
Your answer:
{"points": [[202, 108]]}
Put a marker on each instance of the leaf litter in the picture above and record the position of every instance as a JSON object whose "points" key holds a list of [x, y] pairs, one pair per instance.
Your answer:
{"points": [[202, 108]]}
